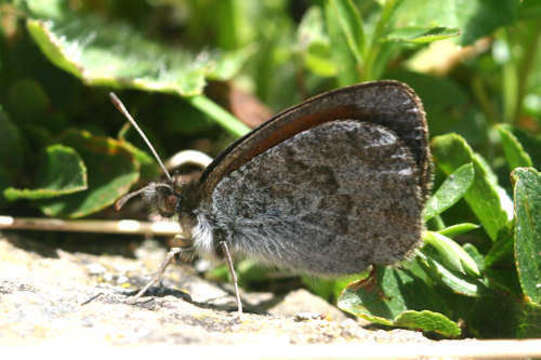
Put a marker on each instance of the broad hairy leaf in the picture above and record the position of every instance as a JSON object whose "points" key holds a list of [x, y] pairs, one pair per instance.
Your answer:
{"points": [[399, 297], [61, 171], [428, 321], [116, 55], [528, 231], [112, 170]]}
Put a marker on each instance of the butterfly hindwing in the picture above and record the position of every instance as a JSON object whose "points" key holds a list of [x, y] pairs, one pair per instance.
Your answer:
{"points": [[329, 200]]}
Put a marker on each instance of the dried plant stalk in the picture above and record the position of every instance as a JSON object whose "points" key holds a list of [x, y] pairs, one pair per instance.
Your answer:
{"points": [[163, 228]]}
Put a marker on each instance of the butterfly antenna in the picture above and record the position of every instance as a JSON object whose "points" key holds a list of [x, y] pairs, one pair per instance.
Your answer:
{"points": [[120, 106]]}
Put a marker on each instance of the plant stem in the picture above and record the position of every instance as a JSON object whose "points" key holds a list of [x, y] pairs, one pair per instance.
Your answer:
{"points": [[163, 228], [216, 112], [509, 82], [375, 43], [228, 24]]}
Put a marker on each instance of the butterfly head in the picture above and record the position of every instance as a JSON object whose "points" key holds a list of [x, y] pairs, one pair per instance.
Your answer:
{"points": [[162, 196], [166, 197]]}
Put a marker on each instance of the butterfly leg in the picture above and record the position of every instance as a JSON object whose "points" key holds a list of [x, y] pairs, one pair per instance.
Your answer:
{"points": [[168, 258], [229, 262]]}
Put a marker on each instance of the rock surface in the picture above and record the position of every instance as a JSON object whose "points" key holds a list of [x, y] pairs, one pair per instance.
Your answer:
{"points": [[42, 291]]}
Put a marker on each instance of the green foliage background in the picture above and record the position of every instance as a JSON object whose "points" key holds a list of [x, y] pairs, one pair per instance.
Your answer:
{"points": [[476, 65]]}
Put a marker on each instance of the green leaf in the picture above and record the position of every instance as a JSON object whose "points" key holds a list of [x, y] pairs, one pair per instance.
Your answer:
{"points": [[421, 35], [458, 283], [346, 65], [514, 152], [525, 147], [115, 55], [61, 172], [352, 27], [112, 170], [474, 18], [458, 229], [450, 192], [528, 231], [486, 199], [452, 254], [398, 297], [475, 255], [428, 321], [530, 143]]}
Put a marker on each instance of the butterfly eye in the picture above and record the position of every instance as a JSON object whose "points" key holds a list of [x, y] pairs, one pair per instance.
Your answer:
{"points": [[168, 203]]}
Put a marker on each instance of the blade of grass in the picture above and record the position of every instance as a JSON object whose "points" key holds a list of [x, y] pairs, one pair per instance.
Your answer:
{"points": [[216, 112], [375, 47], [351, 24]]}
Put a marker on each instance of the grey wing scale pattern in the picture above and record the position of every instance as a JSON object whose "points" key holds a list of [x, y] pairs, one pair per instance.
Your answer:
{"points": [[330, 200]]}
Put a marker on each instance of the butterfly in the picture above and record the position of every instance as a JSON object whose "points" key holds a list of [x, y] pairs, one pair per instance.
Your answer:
{"points": [[327, 187]]}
